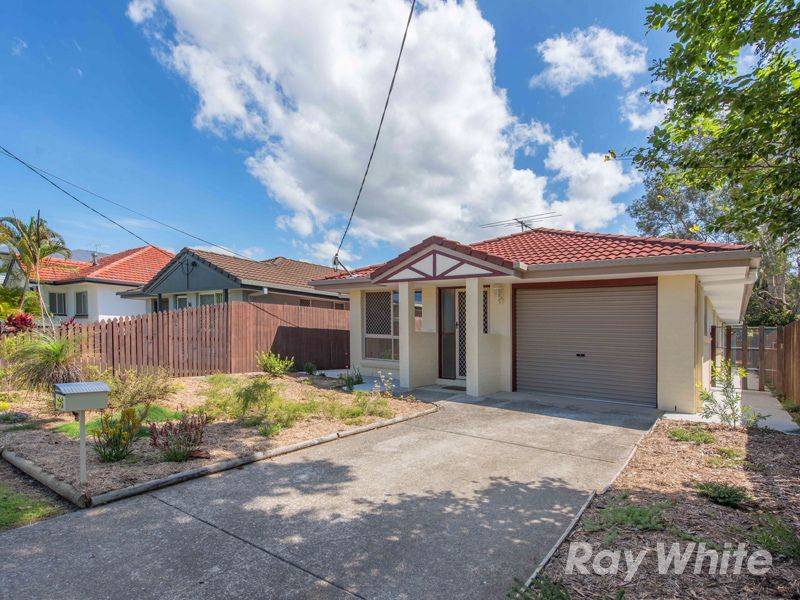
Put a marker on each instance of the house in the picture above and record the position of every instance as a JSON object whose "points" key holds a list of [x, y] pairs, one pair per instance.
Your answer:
{"points": [[198, 277], [88, 290], [608, 317]]}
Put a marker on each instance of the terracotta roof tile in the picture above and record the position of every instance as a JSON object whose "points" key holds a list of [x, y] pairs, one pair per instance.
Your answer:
{"points": [[554, 246], [137, 265]]}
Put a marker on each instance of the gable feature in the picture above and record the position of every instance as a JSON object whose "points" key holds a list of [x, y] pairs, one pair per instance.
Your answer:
{"points": [[436, 264]]}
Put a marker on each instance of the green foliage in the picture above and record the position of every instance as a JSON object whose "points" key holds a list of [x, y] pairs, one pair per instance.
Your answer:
{"points": [[140, 389], [728, 409], [11, 302], [41, 360], [310, 368], [13, 416], [352, 379], [693, 434], [776, 534], [617, 514], [114, 439], [542, 588], [723, 493], [731, 125], [270, 429], [274, 364], [22, 509], [178, 439], [727, 458], [762, 311], [147, 414]]}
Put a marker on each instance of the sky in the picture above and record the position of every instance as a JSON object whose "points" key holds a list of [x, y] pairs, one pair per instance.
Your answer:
{"points": [[250, 126]]}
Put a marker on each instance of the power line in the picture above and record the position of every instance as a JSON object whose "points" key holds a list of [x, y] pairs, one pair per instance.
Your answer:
{"points": [[39, 171], [377, 135]]}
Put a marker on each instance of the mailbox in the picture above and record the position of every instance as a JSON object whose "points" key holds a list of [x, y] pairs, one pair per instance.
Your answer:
{"points": [[77, 397]]}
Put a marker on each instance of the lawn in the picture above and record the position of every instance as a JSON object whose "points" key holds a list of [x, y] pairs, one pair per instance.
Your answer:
{"points": [[247, 413], [24, 501], [690, 483]]}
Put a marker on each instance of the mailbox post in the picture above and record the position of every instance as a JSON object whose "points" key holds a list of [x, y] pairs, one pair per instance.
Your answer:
{"points": [[80, 397]]}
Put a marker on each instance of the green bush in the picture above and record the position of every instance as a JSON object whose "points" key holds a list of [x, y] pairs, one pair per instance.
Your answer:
{"points": [[777, 535], [132, 388], [723, 493], [42, 360], [114, 439], [695, 435], [273, 364], [352, 379], [729, 408], [178, 439], [310, 368], [270, 429], [542, 588], [632, 516]]}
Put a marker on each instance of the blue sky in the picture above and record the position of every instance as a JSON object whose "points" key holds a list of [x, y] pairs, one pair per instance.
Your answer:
{"points": [[155, 106]]}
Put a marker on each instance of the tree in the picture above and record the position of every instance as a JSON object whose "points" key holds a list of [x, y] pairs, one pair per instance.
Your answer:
{"points": [[683, 212], [731, 83], [31, 242]]}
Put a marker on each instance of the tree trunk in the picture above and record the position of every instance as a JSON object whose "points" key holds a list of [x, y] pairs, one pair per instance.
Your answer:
{"points": [[24, 291]]}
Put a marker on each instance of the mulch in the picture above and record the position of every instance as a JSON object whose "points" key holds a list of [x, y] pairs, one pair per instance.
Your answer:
{"points": [[666, 471]]}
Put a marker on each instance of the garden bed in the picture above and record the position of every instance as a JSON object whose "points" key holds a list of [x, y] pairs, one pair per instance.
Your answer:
{"points": [[315, 408], [656, 499]]}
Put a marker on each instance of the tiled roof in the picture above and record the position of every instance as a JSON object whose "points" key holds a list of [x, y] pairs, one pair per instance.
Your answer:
{"points": [[555, 246], [137, 265], [279, 270]]}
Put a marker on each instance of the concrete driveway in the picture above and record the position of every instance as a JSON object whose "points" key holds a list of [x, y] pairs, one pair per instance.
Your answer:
{"points": [[452, 505]]}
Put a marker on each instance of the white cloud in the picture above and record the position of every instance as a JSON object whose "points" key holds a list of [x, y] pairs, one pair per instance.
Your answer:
{"points": [[584, 54], [141, 10], [640, 114], [592, 184], [308, 84], [18, 46]]}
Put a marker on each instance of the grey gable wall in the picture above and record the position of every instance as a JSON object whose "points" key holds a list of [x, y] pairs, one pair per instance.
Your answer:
{"points": [[200, 278]]}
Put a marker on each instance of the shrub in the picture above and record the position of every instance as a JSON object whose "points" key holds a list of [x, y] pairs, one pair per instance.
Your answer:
{"points": [[352, 379], [542, 588], [274, 364], [723, 493], [270, 429], [14, 416], [131, 388], [114, 439], [634, 516], [43, 360], [178, 439], [4, 406], [310, 368], [728, 409], [18, 323], [777, 535], [694, 434]]}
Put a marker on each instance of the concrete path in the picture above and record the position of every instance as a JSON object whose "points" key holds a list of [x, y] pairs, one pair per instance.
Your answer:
{"points": [[452, 505]]}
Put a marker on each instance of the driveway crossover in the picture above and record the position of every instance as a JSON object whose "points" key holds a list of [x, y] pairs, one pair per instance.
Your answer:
{"points": [[452, 505]]}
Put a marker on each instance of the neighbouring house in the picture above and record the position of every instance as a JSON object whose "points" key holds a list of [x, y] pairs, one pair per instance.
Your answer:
{"points": [[88, 290], [601, 316], [198, 278]]}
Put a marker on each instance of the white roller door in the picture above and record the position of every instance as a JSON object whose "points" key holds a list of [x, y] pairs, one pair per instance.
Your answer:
{"points": [[588, 342]]}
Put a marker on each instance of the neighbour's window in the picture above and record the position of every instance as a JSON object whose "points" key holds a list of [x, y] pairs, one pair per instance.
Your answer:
{"points": [[81, 304], [485, 310], [220, 297], [57, 303], [305, 302], [180, 302], [206, 299], [339, 306], [381, 325]]}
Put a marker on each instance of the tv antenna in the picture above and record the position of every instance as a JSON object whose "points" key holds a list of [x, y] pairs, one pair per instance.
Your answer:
{"points": [[523, 222]]}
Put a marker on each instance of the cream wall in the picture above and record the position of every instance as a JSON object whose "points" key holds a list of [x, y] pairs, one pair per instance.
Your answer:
{"points": [[418, 349], [677, 343], [489, 354]]}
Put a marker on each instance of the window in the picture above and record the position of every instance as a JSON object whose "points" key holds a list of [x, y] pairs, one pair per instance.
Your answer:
{"points": [[220, 297], [339, 306], [81, 304], [305, 302], [180, 302], [381, 325], [206, 300], [57, 303]]}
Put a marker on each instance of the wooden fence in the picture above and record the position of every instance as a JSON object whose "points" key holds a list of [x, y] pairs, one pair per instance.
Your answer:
{"points": [[221, 338], [772, 354]]}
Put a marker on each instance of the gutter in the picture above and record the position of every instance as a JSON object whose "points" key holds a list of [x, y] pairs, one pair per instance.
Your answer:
{"points": [[719, 256], [265, 285]]}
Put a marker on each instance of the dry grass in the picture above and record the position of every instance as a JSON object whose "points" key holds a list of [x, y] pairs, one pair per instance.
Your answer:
{"points": [[665, 473], [223, 439]]}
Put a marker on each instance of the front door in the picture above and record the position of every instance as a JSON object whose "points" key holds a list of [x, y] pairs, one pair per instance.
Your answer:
{"points": [[453, 333]]}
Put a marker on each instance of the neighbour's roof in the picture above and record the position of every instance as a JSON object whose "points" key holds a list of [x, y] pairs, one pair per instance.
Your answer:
{"points": [[135, 266], [553, 246], [276, 271]]}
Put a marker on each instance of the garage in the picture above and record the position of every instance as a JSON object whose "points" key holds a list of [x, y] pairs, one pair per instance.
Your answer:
{"points": [[591, 342]]}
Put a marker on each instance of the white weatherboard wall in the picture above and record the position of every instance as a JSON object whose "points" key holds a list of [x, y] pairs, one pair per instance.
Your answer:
{"points": [[103, 301], [677, 343]]}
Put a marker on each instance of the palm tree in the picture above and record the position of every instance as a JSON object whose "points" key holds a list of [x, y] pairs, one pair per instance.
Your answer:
{"points": [[31, 243]]}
